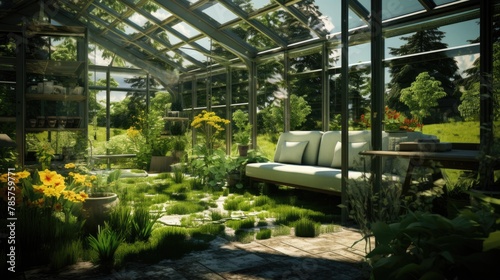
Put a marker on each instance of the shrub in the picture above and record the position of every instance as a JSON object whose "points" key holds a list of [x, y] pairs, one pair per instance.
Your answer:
{"points": [[263, 234], [306, 228]]}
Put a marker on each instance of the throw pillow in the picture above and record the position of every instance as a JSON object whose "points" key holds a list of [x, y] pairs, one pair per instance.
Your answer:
{"points": [[354, 149], [292, 152]]}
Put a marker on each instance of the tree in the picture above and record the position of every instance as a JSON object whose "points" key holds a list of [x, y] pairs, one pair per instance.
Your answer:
{"points": [[422, 95], [469, 108], [273, 115], [441, 67]]}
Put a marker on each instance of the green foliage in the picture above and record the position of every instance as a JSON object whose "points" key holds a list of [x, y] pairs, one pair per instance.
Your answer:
{"points": [[185, 207], [244, 236], [281, 230], [120, 220], [66, 254], [241, 121], [105, 245], [211, 166], [429, 246], [236, 203], [273, 115], [422, 95], [263, 234], [142, 224], [306, 228], [469, 108], [366, 207], [264, 202]]}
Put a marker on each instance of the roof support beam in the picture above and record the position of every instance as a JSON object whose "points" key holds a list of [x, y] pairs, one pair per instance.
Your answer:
{"points": [[205, 25]]}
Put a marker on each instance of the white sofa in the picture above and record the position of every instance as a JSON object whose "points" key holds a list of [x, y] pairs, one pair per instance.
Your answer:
{"points": [[312, 160]]}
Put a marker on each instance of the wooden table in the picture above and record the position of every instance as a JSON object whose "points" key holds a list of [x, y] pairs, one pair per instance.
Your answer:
{"points": [[454, 159]]}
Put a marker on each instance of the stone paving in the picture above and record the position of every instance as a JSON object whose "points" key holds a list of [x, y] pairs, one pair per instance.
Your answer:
{"points": [[328, 256]]}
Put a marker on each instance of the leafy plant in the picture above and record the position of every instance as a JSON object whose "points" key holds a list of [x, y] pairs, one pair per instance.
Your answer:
{"points": [[105, 245], [142, 223], [210, 166], [120, 220], [242, 134], [430, 246]]}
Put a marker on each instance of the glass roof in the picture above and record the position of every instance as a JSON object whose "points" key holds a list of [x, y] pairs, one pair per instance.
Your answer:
{"points": [[189, 34]]}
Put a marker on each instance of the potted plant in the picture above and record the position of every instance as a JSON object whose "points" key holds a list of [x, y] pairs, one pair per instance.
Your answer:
{"points": [[242, 135], [179, 144], [101, 199], [236, 168]]}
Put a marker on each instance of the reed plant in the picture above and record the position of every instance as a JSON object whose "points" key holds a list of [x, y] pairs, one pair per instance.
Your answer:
{"points": [[306, 228]]}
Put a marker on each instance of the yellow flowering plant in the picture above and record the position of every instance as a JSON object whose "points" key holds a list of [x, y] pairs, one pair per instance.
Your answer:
{"points": [[210, 125], [46, 189], [209, 165]]}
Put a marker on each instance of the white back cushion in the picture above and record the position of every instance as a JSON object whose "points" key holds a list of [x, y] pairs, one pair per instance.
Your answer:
{"points": [[313, 139]]}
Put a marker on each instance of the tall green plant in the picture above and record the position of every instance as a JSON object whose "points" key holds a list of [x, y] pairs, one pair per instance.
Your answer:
{"points": [[105, 245], [142, 223]]}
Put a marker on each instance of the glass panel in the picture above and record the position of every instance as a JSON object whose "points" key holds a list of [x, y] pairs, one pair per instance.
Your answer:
{"points": [[252, 5], [194, 53], [140, 20], [219, 13], [253, 36], [315, 19], [168, 37], [330, 14], [335, 102], [395, 8], [102, 15], [240, 86], [185, 29], [271, 93], [219, 90], [286, 26], [359, 97], [442, 2], [161, 14]]}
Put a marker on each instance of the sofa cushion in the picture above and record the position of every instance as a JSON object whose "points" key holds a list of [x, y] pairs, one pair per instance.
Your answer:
{"points": [[292, 152], [316, 177], [354, 158], [313, 138], [331, 138]]}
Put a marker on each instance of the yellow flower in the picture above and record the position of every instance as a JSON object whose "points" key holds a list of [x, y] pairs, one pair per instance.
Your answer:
{"points": [[49, 178], [69, 165], [23, 174], [79, 178], [4, 178]]}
